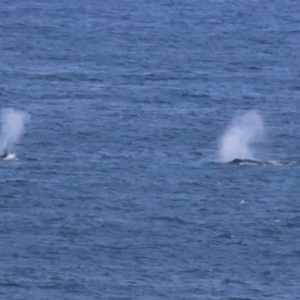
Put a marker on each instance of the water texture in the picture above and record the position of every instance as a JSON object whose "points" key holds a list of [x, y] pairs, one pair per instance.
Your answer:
{"points": [[120, 190]]}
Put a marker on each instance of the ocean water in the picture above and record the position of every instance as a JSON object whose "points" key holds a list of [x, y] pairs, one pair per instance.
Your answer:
{"points": [[118, 191]]}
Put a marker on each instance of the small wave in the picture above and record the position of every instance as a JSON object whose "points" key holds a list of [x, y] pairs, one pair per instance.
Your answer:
{"points": [[277, 163]]}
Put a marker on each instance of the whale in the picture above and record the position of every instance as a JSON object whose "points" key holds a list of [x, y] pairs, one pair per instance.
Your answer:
{"points": [[8, 156], [4, 155], [240, 162]]}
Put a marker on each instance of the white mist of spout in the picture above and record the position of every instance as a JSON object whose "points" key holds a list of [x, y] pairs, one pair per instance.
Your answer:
{"points": [[237, 140], [12, 129]]}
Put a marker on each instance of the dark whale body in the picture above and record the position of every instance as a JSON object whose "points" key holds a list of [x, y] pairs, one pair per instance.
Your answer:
{"points": [[238, 161], [4, 155]]}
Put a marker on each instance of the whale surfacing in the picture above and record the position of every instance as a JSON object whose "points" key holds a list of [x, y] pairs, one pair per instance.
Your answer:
{"points": [[7, 156], [240, 162], [4, 155]]}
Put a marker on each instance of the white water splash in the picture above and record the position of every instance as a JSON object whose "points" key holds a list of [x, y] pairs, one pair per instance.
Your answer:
{"points": [[237, 140], [12, 128]]}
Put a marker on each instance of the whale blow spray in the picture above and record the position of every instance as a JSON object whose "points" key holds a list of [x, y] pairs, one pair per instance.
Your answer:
{"points": [[237, 140], [12, 128]]}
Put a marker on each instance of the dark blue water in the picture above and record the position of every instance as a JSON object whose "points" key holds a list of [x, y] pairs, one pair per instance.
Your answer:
{"points": [[117, 193]]}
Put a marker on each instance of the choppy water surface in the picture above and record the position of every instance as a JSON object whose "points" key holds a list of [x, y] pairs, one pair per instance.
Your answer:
{"points": [[119, 191]]}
